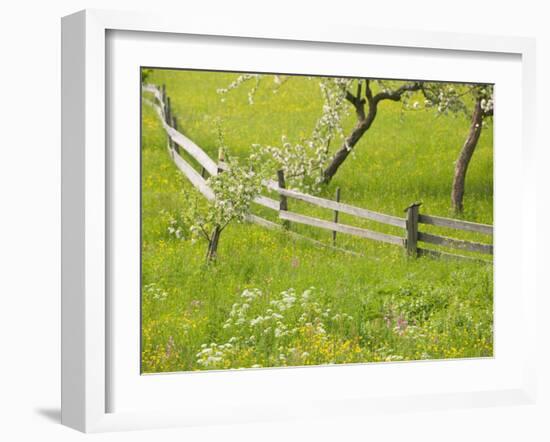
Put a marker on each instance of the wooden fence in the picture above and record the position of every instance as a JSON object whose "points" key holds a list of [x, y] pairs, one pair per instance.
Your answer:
{"points": [[410, 224]]}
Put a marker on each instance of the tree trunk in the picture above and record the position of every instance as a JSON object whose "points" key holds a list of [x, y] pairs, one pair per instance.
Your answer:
{"points": [[213, 244], [341, 154], [461, 166]]}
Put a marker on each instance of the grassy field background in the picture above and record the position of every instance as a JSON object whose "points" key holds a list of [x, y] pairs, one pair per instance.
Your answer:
{"points": [[256, 306]]}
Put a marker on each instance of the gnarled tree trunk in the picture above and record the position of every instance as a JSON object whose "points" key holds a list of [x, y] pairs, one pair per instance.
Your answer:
{"points": [[341, 154], [461, 166], [364, 120]]}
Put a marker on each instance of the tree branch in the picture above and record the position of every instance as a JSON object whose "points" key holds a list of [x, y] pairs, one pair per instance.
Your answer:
{"points": [[222, 227], [350, 97], [368, 92], [206, 235], [358, 102], [396, 94], [428, 94]]}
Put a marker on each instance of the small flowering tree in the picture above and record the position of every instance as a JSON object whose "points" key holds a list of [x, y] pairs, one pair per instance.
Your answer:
{"points": [[234, 190], [475, 100]]}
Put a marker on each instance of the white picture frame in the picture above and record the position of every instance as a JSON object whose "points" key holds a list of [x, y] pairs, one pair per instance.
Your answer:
{"points": [[85, 209]]}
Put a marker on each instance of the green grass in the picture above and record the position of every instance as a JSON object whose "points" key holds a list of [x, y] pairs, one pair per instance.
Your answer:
{"points": [[398, 308]]}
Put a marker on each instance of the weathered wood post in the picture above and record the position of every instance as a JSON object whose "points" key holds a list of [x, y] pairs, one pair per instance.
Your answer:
{"points": [[168, 111], [163, 95], [337, 199], [283, 202], [412, 229], [175, 126], [168, 121]]}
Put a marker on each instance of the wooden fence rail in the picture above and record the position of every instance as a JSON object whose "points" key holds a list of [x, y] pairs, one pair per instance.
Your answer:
{"points": [[455, 243], [456, 224], [343, 228], [341, 207], [178, 142]]}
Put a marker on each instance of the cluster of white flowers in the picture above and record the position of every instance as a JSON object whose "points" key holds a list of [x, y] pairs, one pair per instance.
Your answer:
{"points": [[175, 229], [154, 292], [487, 104], [258, 318], [239, 81], [211, 355], [335, 108], [214, 356], [304, 161], [453, 98], [444, 97], [234, 191]]}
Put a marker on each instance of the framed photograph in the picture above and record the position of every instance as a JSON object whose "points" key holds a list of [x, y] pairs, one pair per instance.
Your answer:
{"points": [[262, 224]]}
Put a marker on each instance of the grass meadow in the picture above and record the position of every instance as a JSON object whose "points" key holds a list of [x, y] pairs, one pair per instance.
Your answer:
{"points": [[273, 300]]}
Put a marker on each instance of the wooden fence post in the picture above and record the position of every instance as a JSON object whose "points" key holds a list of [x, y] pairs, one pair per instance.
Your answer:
{"points": [[283, 202], [163, 94], [168, 115], [163, 99], [412, 229], [175, 126], [337, 199], [168, 118]]}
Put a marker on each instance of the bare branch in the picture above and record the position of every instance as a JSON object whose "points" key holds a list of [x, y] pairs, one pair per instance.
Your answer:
{"points": [[368, 92], [357, 101], [396, 94], [350, 97]]}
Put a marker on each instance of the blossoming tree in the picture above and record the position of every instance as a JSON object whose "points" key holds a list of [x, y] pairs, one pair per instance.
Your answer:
{"points": [[366, 109], [234, 190], [310, 163]]}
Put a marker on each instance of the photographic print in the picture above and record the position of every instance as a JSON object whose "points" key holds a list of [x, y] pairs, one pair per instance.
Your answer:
{"points": [[297, 220]]}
